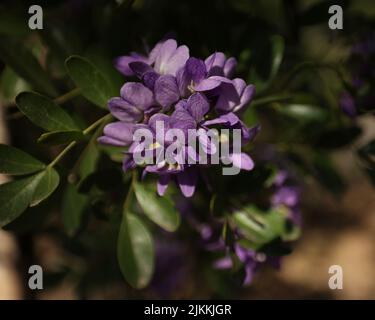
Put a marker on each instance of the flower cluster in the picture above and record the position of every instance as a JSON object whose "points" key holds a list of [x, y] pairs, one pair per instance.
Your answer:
{"points": [[285, 195], [184, 93]]}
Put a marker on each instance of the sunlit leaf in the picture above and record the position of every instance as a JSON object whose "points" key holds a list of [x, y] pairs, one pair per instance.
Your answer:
{"points": [[304, 112], [159, 209], [260, 227]]}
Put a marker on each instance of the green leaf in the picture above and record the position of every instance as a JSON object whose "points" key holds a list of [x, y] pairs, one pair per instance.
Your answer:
{"points": [[158, 209], [278, 47], [135, 251], [16, 162], [15, 197], [60, 137], [101, 59], [94, 86], [89, 160], [73, 207], [48, 183], [44, 113], [261, 227], [304, 112], [11, 85], [23, 62]]}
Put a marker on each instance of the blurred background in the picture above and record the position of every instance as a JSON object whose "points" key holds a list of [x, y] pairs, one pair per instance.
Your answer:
{"points": [[319, 67]]}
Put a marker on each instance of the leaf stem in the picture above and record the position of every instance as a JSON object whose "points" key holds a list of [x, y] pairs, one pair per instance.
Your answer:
{"points": [[67, 96], [73, 143]]}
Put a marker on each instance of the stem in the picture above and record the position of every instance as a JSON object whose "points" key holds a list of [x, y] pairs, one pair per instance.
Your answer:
{"points": [[67, 96], [96, 123], [73, 143]]}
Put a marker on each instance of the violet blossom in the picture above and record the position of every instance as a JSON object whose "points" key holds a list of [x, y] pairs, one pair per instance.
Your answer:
{"points": [[184, 93]]}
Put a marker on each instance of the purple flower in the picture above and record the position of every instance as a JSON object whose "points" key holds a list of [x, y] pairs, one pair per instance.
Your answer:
{"points": [[169, 58], [135, 100], [118, 134], [218, 65], [234, 96], [166, 58], [287, 195], [187, 89], [122, 63], [347, 104]]}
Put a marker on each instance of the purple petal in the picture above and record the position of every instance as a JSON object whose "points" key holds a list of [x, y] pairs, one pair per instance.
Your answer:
{"points": [[229, 67], [229, 118], [207, 144], [155, 52], [139, 68], [178, 60], [228, 99], [111, 141], [166, 91], [347, 104], [118, 133], [187, 181], [197, 106], [122, 63], [286, 195], [246, 97], [128, 164], [170, 58], [207, 84], [211, 83], [182, 104], [149, 79], [215, 64], [162, 184], [165, 52], [223, 263], [181, 119], [250, 134], [137, 94], [249, 273], [193, 72], [242, 161], [124, 111], [159, 117]]}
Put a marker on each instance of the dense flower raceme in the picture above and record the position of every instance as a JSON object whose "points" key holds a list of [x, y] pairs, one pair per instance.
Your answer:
{"points": [[185, 94]]}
